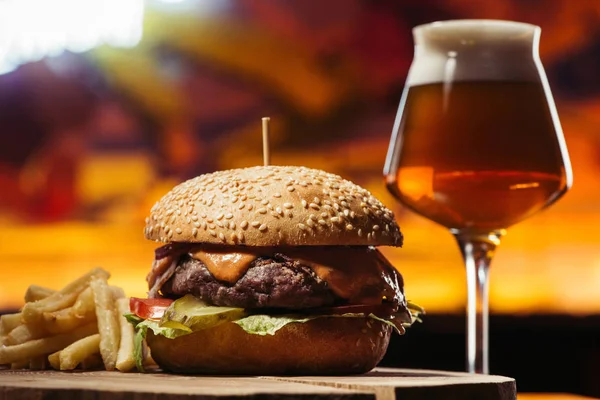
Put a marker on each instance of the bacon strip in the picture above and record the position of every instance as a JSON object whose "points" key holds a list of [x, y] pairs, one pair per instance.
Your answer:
{"points": [[161, 271]]}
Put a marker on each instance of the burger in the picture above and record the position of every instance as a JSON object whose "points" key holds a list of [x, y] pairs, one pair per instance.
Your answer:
{"points": [[270, 270]]}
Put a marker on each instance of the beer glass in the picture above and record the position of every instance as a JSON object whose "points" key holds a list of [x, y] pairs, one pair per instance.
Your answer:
{"points": [[477, 145]]}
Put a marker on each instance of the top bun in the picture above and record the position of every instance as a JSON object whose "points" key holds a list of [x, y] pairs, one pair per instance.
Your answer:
{"points": [[272, 206]]}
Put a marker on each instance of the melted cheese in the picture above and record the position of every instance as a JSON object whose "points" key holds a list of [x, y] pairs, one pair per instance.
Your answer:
{"points": [[225, 266]]}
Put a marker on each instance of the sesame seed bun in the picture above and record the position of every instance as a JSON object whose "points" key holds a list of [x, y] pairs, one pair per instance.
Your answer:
{"points": [[331, 346], [272, 206]]}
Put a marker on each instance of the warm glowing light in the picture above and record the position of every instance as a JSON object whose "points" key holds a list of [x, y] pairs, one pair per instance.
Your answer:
{"points": [[33, 29]]}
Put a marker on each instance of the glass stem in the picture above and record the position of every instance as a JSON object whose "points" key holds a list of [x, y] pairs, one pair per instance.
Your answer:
{"points": [[477, 251]]}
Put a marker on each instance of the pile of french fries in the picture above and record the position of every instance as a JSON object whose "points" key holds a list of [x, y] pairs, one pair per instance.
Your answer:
{"points": [[79, 326]]}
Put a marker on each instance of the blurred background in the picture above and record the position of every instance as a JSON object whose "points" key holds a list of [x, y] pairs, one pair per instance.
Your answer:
{"points": [[105, 105]]}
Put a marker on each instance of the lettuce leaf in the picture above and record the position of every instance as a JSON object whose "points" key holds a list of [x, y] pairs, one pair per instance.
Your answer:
{"points": [[261, 324], [141, 327]]}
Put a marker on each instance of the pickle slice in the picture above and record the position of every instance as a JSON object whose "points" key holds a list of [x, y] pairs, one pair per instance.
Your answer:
{"points": [[192, 314]]}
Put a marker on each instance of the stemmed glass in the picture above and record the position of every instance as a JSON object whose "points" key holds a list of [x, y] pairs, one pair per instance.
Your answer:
{"points": [[477, 145]]}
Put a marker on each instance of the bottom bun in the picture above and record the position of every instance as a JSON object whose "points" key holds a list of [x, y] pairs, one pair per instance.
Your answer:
{"points": [[323, 346]]}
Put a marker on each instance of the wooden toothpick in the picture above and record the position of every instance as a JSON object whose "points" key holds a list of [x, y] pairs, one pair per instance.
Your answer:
{"points": [[265, 133]]}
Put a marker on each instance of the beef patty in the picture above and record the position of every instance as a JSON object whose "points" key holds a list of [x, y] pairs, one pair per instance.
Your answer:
{"points": [[270, 282]]}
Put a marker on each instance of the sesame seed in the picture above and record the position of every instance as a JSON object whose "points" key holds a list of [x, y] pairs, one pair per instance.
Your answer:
{"points": [[289, 214], [262, 210], [255, 224], [344, 204], [264, 202], [346, 213], [233, 237], [324, 215], [360, 232], [366, 210], [210, 203], [241, 236], [316, 200], [310, 223], [221, 236], [195, 232], [203, 215], [349, 227], [170, 234], [363, 204], [241, 206], [188, 220], [290, 188], [150, 229], [212, 226], [352, 214], [212, 233], [220, 216], [342, 198], [229, 216], [314, 206], [178, 231], [250, 207], [244, 224], [219, 223], [169, 212], [313, 217], [288, 205], [204, 225], [336, 206], [302, 227], [335, 219], [368, 236], [231, 225], [262, 228], [387, 227], [235, 199], [273, 213], [304, 203], [322, 222], [197, 224], [375, 227], [277, 195], [194, 218], [209, 219]]}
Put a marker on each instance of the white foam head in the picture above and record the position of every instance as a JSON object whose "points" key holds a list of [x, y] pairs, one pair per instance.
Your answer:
{"points": [[475, 50]]}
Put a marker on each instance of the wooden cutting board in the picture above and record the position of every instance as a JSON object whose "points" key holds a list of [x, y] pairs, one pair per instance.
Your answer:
{"points": [[380, 384]]}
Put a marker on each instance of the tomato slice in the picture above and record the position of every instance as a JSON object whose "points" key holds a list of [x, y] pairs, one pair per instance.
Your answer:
{"points": [[379, 310], [149, 308]]}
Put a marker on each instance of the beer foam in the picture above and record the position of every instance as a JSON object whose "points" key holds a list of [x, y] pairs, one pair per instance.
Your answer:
{"points": [[475, 50]]}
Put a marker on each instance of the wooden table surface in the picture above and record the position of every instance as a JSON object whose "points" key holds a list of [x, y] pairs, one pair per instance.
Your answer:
{"points": [[380, 384]]}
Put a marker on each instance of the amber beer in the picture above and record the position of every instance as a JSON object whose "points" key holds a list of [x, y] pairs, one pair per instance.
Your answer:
{"points": [[477, 155]]}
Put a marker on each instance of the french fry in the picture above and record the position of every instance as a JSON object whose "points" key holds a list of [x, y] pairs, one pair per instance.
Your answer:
{"points": [[8, 322], [84, 303], [38, 363], [39, 347], [66, 320], [54, 360], [108, 324], [32, 312], [25, 333], [125, 359], [118, 292], [35, 293], [93, 361], [75, 353], [20, 364]]}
